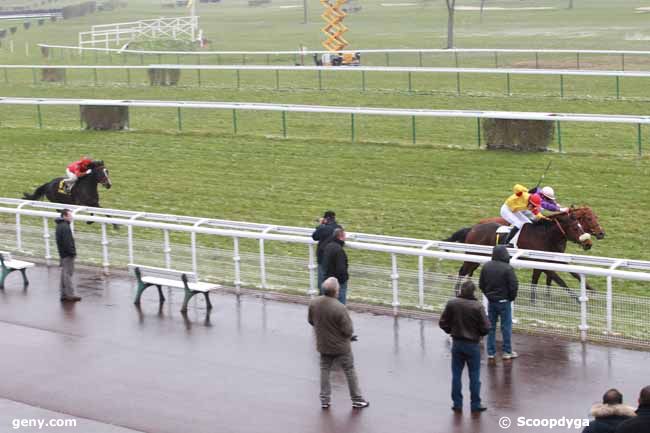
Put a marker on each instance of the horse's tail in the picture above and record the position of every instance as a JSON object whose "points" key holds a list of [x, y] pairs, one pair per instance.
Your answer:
{"points": [[459, 235], [38, 194]]}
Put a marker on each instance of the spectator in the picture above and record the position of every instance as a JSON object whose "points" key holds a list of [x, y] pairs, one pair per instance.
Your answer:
{"points": [[640, 423], [464, 319], [498, 283], [333, 328], [67, 253], [335, 262], [323, 234], [609, 414]]}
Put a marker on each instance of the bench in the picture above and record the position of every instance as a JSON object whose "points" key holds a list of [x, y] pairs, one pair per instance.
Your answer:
{"points": [[8, 265], [148, 276]]}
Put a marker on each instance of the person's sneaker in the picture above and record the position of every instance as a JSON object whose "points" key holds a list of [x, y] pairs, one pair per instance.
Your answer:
{"points": [[490, 357], [324, 405], [457, 409], [511, 355], [479, 409], [70, 298], [360, 404]]}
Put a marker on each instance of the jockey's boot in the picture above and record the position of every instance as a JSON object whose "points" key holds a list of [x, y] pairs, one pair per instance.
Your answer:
{"points": [[511, 235]]}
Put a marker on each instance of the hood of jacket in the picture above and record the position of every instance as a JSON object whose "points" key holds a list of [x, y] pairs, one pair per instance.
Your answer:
{"points": [[605, 410], [500, 253]]}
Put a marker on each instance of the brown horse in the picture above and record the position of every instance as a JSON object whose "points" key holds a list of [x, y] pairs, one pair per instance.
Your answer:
{"points": [[548, 235], [589, 222]]}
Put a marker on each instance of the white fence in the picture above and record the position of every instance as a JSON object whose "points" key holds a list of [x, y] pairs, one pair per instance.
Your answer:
{"points": [[405, 283], [123, 33], [418, 53]]}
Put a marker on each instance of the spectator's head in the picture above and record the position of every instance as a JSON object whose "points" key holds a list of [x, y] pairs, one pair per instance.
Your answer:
{"points": [[467, 290], [66, 214], [339, 234], [644, 397], [612, 396], [331, 287], [329, 215]]}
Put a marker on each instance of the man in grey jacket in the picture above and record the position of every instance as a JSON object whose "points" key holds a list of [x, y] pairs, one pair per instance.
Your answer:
{"points": [[334, 330], [67, 253]]}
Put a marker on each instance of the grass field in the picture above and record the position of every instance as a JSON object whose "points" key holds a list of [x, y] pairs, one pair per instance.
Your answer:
{"points": [[380, 184]]}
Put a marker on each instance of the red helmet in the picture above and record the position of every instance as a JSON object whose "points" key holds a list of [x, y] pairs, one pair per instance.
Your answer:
{"points": [[535, 200]]}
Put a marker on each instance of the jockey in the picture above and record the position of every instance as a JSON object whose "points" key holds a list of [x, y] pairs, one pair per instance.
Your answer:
{"points": [[519, 209], [77, 170], [548, 199]]}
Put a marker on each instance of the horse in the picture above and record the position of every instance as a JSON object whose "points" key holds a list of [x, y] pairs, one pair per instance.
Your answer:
{"points": [[84, 192], [587, 219], [547, 235]]}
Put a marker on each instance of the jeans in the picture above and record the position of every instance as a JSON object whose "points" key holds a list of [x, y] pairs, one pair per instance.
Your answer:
{"points": [[67, 270], [347, 363], [321, 278], [343, 292], [498, 310], [465, 352]]}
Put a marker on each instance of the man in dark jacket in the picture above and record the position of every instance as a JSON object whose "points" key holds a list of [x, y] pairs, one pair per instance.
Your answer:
{"points": [[609, 414], [335, 262], [323, 234], [333, 328], [498, 283], [465, 320], [67, 253], [641, 422]]}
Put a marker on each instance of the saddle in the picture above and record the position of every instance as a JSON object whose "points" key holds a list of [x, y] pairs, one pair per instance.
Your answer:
{"points": [[502, 234], [62, 188]]}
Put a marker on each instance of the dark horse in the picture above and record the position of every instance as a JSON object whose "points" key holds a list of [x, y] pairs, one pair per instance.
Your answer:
{"points": [[550, 235], [84, 192]]}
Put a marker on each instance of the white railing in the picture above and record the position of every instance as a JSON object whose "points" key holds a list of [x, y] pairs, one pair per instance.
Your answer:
{"points": [[295, 108], [123, 33], [586, 266]]}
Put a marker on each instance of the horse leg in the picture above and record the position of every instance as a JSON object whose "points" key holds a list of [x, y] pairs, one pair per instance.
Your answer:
{"points": [[560, 282], [467, 269], [533, 288], [577, 277]]}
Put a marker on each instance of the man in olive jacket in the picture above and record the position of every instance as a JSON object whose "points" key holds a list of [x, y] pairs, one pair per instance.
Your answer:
{"points": [[333, 328], [465, 320], [499, 284], [67, 253]]}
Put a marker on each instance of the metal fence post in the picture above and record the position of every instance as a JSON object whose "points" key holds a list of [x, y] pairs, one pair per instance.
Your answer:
{"points": [[284, 124], [105, 262], [352, 128], [561, 85], [508, 93], [623, 62], [46, 240], [420, 58], [639, 138], [363, 81], [583, 308], [413, 132], [618, 87], [238, 76], [559, 135], [198, 76], [394, 276], [180, 119], [478, 131], [234, 121], [236, 259], [167, 249], [410, 83], [311, 266], [458, 83], [39, 116]]}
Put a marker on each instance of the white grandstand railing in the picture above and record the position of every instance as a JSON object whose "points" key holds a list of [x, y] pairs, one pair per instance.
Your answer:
{"points": [[394, 246]]}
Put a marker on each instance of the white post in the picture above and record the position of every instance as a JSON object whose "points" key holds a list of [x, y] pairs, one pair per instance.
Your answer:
{"points": [[609, 296], [74, 214], [421, 275], [19, 238], [583, 308], [129, 231], [311, 266], [262, 258], [236, 259], [105, 263], [395, 277], [46, 239], [195, 265], [167, 249]]}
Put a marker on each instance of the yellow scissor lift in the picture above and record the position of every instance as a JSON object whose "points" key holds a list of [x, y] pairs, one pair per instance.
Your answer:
{"points": [[335, 42]]}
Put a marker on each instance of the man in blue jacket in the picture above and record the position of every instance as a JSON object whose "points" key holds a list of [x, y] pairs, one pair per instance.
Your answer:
{"points": [[67, 253]]}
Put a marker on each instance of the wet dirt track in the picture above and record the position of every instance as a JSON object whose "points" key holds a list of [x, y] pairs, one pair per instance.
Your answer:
{"points": [[252, 367]]}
